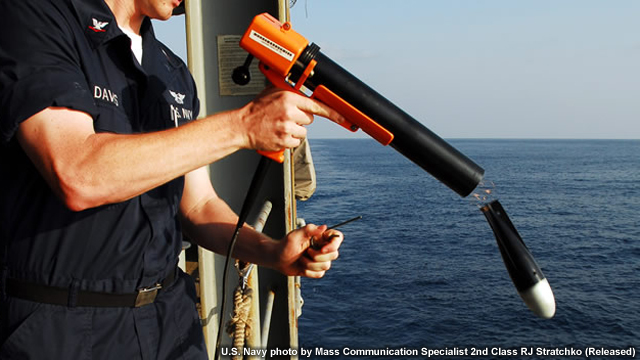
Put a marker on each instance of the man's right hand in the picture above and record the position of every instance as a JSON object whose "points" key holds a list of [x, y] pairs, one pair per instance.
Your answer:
{"points": [[275, 120]]}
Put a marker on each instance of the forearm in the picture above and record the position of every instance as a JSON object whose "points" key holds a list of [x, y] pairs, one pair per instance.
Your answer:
{"points": [[212, 227], [88, 169], [291, 255], [210, 222], [129, 165]]}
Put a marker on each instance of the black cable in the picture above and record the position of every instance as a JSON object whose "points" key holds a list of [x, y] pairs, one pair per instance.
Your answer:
{"points": [[249, 200]]}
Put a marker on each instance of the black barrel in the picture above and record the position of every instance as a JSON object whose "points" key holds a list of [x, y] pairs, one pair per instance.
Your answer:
{"points": [[411, 138]]}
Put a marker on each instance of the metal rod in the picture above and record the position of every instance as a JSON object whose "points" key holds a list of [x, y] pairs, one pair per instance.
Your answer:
{"points": [[316, 246], [345, 222], [266, 325]]}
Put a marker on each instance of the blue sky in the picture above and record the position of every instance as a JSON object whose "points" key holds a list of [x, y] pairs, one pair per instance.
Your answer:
{"points": [[484, 69]]}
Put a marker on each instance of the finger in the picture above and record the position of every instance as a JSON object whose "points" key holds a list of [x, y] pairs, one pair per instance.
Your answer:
{"points": [[298, 132], [309, 267], [323, 253], [321, 109], [314, 274], [323, 262], [312, 230], [309, 106], [333, 235], [291, 135], [316, 240], [290, 142], [314, 265], [330, 241], [305, 118]]}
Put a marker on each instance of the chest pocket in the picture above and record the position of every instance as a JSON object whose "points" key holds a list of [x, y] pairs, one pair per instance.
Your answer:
{"points": [[116, 107], [180, 107], [115, 87], [173, 106], [112, 119]]}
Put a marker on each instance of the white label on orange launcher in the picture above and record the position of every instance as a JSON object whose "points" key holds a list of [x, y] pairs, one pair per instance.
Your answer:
{"points": [[264, 41]]}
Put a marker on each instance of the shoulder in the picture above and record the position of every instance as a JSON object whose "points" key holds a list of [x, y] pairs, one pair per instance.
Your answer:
{"points": [[41, 44], [30, 16], [46, 25], [179, 66], [174, 61], [170, 55]]}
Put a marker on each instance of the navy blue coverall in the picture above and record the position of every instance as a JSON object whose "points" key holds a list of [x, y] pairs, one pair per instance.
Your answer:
{"points": [[71, 54]]}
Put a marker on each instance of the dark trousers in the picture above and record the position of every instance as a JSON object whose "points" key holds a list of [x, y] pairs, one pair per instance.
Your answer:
{"points": [[167, 329]]}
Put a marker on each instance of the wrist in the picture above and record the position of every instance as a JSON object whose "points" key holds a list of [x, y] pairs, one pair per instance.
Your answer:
{"points": [[228, 128], [257, 248], [241, 123], [269, 254]]}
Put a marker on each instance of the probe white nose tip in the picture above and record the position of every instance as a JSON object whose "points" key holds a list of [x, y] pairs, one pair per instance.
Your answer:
{"points": [[539, 298]]}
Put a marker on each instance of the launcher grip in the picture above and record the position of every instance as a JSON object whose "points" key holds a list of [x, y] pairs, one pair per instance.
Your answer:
{"points": [[273, 155], [280, 83]]}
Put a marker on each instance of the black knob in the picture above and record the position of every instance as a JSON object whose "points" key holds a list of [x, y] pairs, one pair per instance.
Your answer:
{"points": [[241, 75]]}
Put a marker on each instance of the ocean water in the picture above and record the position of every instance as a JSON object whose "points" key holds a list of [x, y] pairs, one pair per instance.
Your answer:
{"points": [[422, 270]]}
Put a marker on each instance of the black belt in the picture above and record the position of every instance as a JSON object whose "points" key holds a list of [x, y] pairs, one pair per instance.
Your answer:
{"points": [[64, 296]]}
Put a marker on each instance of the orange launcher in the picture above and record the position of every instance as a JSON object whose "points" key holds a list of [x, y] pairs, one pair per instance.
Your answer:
{"points": [[290, 62]]}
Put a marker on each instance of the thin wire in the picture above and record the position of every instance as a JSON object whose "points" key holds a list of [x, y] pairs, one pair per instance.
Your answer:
{"points": [[252, 194]]}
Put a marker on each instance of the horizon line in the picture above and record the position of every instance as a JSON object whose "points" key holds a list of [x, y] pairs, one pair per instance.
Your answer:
{"points": [[477, 138]]}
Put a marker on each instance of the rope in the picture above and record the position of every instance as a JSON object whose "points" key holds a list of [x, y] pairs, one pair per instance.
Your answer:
{"points": [[239, 327]]}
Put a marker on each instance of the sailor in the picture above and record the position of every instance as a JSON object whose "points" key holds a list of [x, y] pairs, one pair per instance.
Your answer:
{"points": [[103, 167]]}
